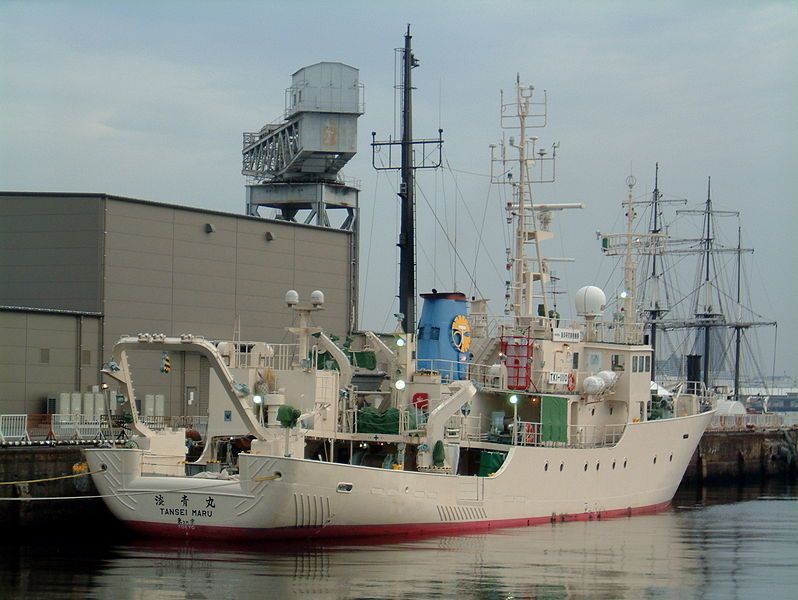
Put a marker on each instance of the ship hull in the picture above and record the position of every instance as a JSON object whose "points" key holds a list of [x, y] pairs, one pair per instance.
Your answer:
{"points": [[289, 498]]}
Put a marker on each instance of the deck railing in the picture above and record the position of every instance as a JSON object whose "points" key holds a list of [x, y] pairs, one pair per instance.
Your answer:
{"points": [[79, 427], [745, 422], [578, 436]]}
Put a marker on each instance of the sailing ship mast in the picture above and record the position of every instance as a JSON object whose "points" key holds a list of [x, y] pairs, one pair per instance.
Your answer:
{"points": [[629, 245], [407, 167], [708, 309], [655, 309]]}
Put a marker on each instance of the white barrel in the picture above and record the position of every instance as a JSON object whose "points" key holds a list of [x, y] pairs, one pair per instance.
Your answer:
{"points": [[149, 405], [64, 403], [160, 402], [593, 385], [75, 403], [99, 404], [88, 403], [609, 377]]}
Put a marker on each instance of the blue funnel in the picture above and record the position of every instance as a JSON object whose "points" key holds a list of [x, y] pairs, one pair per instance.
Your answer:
{"points": [[444, 335]]}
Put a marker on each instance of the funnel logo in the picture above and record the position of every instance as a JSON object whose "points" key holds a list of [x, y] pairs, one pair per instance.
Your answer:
{"points": [[461, 333]]}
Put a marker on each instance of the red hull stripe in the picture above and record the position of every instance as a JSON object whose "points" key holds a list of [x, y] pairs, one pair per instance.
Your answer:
{"points": [[205, 532]]}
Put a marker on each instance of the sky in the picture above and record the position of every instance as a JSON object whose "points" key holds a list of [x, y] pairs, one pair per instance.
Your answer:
{"points": [[149, 100]]}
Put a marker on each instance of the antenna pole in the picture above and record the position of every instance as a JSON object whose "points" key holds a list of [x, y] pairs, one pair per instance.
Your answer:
{"points": [[407, 241], [407, 168]]}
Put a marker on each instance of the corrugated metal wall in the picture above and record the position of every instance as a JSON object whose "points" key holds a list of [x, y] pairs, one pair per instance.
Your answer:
{"points": [[158, 268], [49, 251], [41, 354]]}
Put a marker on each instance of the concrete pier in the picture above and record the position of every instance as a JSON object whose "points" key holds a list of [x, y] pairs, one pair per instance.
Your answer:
{"points": [[55, 503], [746, 454]]}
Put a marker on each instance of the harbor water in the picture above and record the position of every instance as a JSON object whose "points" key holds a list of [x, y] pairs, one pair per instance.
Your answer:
{"points": [[725, 543]]}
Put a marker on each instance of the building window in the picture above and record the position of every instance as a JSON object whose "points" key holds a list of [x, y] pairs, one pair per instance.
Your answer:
{"points": [[647, 367], [634, 364], [421, 333], [576, 361], [435, 333], [85, 357], [617, 362], [44, 355]]}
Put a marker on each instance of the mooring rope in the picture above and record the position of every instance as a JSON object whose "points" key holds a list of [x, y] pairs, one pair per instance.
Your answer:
{"points": [[51, 478]]}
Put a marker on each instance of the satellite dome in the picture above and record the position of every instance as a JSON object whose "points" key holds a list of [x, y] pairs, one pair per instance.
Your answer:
{"points": [[590, 301], [317, 297], [291, 298]]}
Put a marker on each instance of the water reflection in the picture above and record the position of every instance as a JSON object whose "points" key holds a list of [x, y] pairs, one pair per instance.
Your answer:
{"points": [[715, 543]]}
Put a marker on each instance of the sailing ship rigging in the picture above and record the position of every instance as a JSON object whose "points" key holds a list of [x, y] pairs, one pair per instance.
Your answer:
{"points": [[702, 315]]}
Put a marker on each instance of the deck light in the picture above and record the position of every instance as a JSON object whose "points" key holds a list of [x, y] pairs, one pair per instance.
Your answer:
{"points": [[400, 384]]}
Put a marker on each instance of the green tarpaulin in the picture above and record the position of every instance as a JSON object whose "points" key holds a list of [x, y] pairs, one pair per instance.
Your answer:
{"points": [[490, 462], [363, 359], [371, 420]]}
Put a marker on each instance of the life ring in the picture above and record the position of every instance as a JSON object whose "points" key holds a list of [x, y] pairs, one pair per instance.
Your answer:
{"points": [[529, 433], [571, 382]]}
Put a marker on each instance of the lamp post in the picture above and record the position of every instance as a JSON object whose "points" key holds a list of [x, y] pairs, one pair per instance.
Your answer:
{"points": [[514, 402], [258, 400]]}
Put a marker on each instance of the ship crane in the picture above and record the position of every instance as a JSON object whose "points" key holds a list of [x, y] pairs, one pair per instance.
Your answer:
{"points": [[295, 162]]}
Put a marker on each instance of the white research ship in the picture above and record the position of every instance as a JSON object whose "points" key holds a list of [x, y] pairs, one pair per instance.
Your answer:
{"points": [[463, 424]]}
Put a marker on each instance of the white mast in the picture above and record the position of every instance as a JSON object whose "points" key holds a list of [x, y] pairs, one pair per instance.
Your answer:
{"points": [[629, 280], [531, 220]]}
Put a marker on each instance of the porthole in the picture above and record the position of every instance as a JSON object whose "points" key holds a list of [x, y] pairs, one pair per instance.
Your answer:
{"points": [[670, 458], [613, 465], [624, 463], [546, 467], [655, 460], [592, 411], [561, 466], [597, 466], [585, 466], [344, 488], [610, 409]]}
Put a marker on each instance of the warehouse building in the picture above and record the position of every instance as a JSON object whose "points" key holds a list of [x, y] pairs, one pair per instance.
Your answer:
{"points": [[77, 271]]}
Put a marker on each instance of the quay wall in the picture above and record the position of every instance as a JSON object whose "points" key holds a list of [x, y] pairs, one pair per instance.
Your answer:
{"points": [[725, 456], [54, 504]]}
